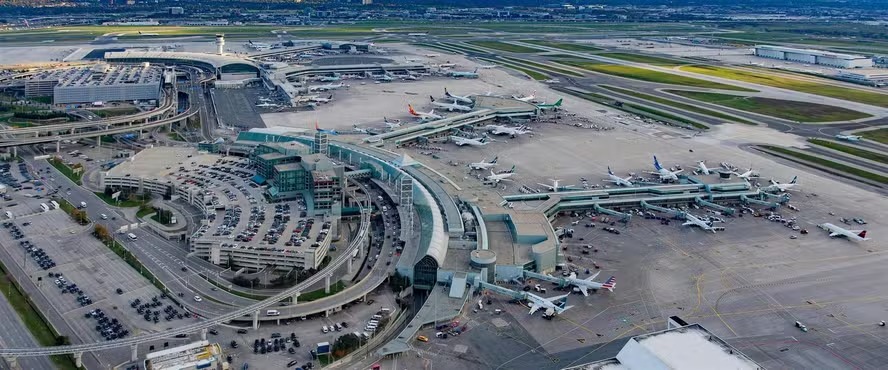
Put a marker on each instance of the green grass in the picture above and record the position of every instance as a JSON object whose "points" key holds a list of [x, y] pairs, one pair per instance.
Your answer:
{"points": [[637, 109], [642, 74], [434, 46], [175, 136], [544, 67], [829, 164], [533, 74], [783, 82], [42, 331], [562, 45], [880, 135], [641, 58], [502, 46], [785, 109], [67, 171], [318, 294], [464, 48], [144, 211], [125, 203], [857, 152], [679, 105]]}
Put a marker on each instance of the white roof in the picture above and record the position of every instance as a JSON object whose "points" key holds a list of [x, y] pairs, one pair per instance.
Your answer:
{"points": [[812, 52], [215, 60], [438, 243]]}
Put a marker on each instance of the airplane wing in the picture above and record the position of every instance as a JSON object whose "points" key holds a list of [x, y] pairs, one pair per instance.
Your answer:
{"points": [[595, 275], [554, 299], [584, 290], [688, 223], [834, 234], [533, 309]]}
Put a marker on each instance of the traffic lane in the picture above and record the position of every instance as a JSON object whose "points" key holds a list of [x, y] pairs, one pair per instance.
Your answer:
{"points": [[16, 335]]}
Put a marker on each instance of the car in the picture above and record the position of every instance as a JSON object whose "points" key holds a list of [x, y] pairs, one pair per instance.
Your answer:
{"points": [[242, 331], [197, 298], [422, 338], [182, 335], [119, 291], [213, 331], [233, 344]]}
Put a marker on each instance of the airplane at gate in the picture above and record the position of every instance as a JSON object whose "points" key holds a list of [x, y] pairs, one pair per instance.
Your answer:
{"points": [[835, 231]]}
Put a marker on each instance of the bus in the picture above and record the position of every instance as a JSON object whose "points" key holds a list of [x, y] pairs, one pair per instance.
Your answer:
{"points": [[44, 207]]}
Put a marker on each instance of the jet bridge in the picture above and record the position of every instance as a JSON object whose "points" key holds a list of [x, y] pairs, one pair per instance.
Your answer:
{"points": [[705, 203], [500, 290], [747, 200], [781, 198], [681, 215], [533, 275], [625, 217]]}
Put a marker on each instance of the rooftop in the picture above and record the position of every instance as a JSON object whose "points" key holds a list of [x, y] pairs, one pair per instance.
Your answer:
{"points": [[183, 357], [102, 75], [812, 52], [213, 59], [157, 163]]}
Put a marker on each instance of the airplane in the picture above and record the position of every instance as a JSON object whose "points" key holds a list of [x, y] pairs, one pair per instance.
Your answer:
{"points": [[461, 141], [391, 125], [432, 55], [617, 179], [257, 45], [323, 100], [505, 130], [526, 98], [849, 137], [458, 74], [747, 175], [665, 175], [457, 98], [834, 231], [328, 132], [483, 165], [450, 107], [325, 87], [783, 187], [588, 283], [384, 78], [266, 105], [551, 305], [555, 187], [264, 100], [701, 166], [488, 66], [551, 106], [333, 78], [360, 130], [497, 177], [430, 116], [446, 65], [695, 221]]}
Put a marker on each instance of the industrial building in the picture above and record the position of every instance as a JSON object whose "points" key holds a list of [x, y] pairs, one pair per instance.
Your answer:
{"points": [[810, 56], [98, 83], [192, 356], [874, 77]]}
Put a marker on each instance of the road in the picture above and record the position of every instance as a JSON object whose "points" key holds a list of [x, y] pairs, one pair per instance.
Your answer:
{"points": [[15, 334]]}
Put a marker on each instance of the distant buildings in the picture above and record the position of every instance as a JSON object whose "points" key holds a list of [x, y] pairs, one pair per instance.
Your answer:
{"points": [[811, 56]]}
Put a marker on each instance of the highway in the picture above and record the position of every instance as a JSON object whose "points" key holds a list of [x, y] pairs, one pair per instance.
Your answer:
{"points": [[15, 334]]}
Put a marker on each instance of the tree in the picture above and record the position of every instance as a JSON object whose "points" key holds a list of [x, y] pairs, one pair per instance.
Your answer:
{"points": [[399, 282], [345, 344], [101, 232], [62, 340]]}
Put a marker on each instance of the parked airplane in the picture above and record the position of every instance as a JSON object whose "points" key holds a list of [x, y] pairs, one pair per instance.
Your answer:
{"points": [[849, 137], [322, 100], [506, 130], [695, 221], [457, 98], [701, 166], [430, 116], [257, 45], [361, 130], [555, 187], [432, 55], [617, 179], [550, 305], [333, 78], [665, 175], [450, 106], [551, 106], [328, 132], [834, 231], [747, 175], [497, 177], [461, 141], [264, 100], [525, 98], [445, 65], [326, 87], [483, 165], [384, 78], [461, 74], [588, 283], [488, 66], [776, 186], [266, 105], [391, 125]]}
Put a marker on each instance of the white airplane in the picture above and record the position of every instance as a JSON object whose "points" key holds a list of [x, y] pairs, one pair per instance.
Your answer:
{"points": [[617, 179], [701, 166], [484, 165], [450, 106], [464, 74], [264, 100], [776, 186], [322, 100], [391, 125], [665, 174], [505, 130], [525, 98], [551, 305], [446, 65], [834, 231], [361, 130], [257, 45], [589, 284], [747, 175], [326, 87], [334, 78], [457, 98], [430, 116], [266, 105], [491, 66], [555, 187], [849, 137], [384, 78], [695, 221], [497, 177], [462, 141], [432, 55]]}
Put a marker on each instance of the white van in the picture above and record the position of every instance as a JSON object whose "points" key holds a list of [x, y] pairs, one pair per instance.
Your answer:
{"points": [[370, 328], [272, 313], [131, 236], [385, 311], [375, 317], [325, 330], [104, 216]]}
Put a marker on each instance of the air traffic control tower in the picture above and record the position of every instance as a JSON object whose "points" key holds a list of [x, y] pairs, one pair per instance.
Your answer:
{"points": [[220, 44]]}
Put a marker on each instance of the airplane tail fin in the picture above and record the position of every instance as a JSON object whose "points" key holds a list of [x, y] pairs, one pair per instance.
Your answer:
{"points": [[558, 103], [512, 170], [794, 179], [610, 283], [317, 127], [609, 172], [862, 234], [657, 164], [476, 70], [432, 98], [446, 93], [410, 109], [494, 159]]}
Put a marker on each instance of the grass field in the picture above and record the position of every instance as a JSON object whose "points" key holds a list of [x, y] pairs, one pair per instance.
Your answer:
{"points": [[641, 58], [679, 105], [562, 45], [838, 92], [636, 109], [464, 48], [857, 152], [785, 109], [829, 164], [544, 67], [880, 135], [502, 46], [648, 75], [67, 171], [125, 203]]}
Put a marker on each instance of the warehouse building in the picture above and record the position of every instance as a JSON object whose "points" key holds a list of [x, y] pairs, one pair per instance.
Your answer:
{"points": [[810, 56], [98, 83]]}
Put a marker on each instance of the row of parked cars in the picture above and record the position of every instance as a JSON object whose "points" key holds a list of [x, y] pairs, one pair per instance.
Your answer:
{"points": [[109, 328], [37, 254]]}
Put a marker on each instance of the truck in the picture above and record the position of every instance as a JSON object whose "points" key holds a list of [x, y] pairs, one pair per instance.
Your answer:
{"points": [[55, 205], [98, 104], [44, 207]]}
